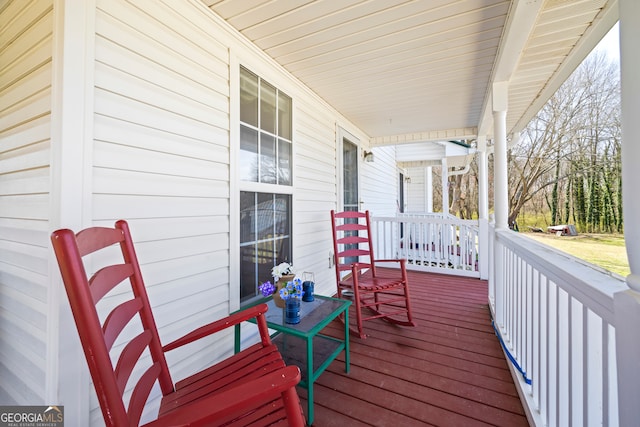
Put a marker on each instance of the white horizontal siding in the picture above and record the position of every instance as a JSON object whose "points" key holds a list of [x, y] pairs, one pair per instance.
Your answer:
{"points": [[416, 196], [24, 27], [161, 161], [379, 186], [315, 190], [25, 104], [116, 158]]}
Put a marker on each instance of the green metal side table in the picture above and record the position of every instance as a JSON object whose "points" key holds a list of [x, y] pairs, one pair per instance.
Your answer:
{"points": [[302, 344]]}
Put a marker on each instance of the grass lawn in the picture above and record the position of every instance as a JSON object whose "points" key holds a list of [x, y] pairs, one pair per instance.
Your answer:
{"points": [[604, 250]]}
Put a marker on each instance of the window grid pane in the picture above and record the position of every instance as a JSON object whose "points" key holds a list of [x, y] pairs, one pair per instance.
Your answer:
{"points": [[267, 107], [268, 158], [268, 111], [284, 162], [248, 97], [284, 116], [265, 222], [248, 154]]}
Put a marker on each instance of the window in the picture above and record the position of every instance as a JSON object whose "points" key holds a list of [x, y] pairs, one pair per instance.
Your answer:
{"points": [[265, 131], [265, 161], [265, 238]]}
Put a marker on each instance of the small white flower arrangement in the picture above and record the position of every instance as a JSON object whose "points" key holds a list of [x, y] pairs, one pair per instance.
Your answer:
{"points": [[282, 269]]}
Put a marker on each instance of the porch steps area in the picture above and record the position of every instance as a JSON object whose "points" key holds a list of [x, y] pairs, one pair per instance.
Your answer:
{"points": [[449, 370]]}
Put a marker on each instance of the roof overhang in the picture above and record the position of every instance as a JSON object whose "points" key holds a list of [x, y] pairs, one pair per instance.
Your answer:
{"points": [[423, 71]]}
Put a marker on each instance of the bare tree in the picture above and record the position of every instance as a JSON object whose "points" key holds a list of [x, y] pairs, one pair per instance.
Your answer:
{"points": [[568, 151]]}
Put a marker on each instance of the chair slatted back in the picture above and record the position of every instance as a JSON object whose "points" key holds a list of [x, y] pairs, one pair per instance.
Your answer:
{"points": [[352, 240], [98, 339]]}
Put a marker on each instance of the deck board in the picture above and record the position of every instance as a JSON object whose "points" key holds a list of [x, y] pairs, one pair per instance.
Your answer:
{"points": [[449, 370]]}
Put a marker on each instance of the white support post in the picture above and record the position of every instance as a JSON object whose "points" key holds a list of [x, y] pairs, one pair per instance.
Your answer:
{"points": [[630, 68], [483, 179], [500, 190], [428, 189], [67, 379], [445, 187], [501, 194], [627, 303], [483, 209]]}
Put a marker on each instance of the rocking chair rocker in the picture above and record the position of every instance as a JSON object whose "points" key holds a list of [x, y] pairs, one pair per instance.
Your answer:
{"points": [[377, 292], [252, 387]]}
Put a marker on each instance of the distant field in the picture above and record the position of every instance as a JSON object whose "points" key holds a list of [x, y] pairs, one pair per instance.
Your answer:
{"points": [[604, 250]]}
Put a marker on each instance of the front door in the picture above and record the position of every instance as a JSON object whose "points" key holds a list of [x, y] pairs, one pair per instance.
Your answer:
{"points": [[350, 199]]}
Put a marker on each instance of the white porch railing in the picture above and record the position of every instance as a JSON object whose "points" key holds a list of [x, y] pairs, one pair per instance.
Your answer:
{"points": [[553, 313], [429, 242], [556, 319]]}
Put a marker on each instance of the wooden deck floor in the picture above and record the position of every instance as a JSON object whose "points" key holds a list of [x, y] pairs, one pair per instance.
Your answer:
{"points": [[449, 370]]}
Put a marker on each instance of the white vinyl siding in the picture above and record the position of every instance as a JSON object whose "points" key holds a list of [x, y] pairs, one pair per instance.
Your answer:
{"points": [[25, 121], [161, 161], [315, 191], [379, 183], [416, 191]]}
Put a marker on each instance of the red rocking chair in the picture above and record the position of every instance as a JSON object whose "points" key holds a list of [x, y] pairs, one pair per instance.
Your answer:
{"points": [[377, 292], [251, 387]]}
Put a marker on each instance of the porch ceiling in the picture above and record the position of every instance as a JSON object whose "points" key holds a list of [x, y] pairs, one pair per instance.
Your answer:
{"points": [[409, 71]]}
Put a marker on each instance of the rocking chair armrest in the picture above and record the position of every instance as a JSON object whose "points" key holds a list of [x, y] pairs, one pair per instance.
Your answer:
{"points": [[217, 326], [247, 395]]}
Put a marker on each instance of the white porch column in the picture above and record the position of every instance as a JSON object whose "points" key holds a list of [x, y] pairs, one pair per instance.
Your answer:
{"points": [[630, 69], [445, 187], [483, 179], [500, 187], [627, 303], [67, 380], [483, 208], [500, 192], [428, 189]]}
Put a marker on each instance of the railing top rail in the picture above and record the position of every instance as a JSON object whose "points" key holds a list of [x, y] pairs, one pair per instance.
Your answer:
{"points": [[430, 220], [592, 286], [428, 214]]}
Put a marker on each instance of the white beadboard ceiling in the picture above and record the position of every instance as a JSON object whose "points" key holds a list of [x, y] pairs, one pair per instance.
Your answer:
{"points": [[408, 71]]}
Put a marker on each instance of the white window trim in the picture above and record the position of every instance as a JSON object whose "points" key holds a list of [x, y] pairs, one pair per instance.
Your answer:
{"points": [[236, 185]]}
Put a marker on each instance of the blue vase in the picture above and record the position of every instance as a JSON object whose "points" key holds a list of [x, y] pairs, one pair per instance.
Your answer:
{"points": [[292, 310]]}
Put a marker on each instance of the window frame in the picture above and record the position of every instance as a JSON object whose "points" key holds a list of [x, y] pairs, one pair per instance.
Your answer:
{"points": [[239, 185], [276, 135]]}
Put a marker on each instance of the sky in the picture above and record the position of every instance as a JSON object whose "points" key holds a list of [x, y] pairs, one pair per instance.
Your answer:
{"points": [[610, 44]]}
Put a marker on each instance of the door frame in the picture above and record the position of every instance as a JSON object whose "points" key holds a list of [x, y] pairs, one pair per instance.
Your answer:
{"points": [[341, 135]]}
